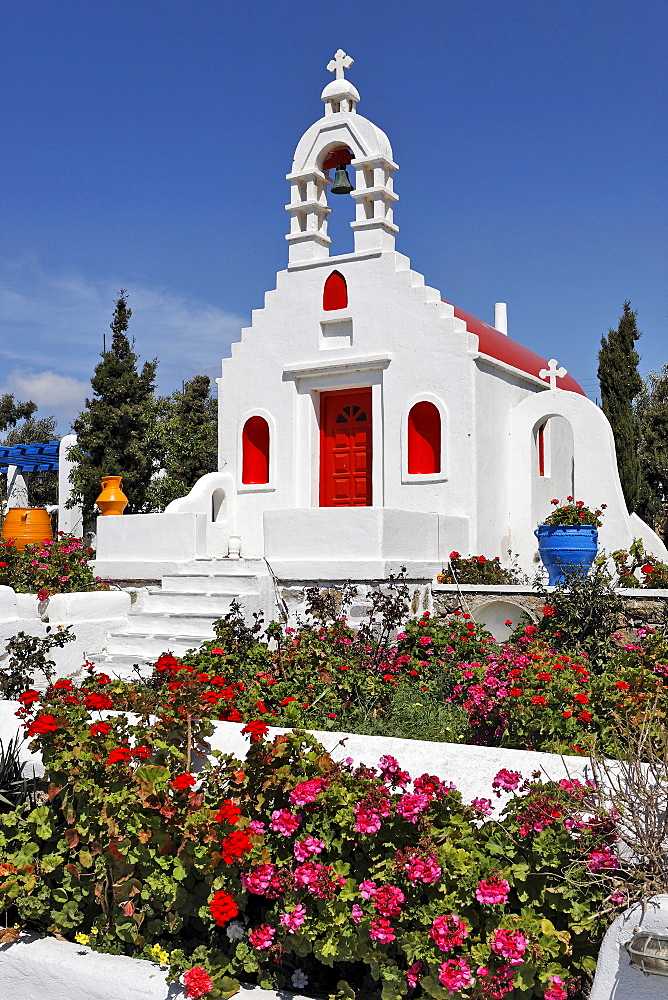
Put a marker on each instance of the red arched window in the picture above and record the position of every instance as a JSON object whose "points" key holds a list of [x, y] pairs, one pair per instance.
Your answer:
{"points": [[424, 439], [255, 448], [335, 294]]}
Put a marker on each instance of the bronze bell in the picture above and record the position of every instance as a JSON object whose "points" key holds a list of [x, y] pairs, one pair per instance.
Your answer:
{"points": [[341, 183]]}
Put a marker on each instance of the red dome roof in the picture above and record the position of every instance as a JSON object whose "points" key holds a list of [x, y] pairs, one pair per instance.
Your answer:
{"points": [[494, 343]]}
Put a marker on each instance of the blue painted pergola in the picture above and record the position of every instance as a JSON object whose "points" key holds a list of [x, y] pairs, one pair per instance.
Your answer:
{"points": [[30, 457]]}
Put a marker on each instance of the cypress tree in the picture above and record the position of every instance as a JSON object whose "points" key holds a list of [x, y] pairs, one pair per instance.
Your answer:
{"points": [[187, 440], [620, 383], [652, 417], [115, 430]]}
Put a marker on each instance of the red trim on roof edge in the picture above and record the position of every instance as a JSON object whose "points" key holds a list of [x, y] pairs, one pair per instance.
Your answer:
{"points": [[494, 343]]}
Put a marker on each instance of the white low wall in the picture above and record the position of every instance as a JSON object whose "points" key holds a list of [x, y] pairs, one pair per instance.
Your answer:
{"points": [[92, 614], [148, 546], [470, 768], [616, 978], [358, 543], [35, 968]]}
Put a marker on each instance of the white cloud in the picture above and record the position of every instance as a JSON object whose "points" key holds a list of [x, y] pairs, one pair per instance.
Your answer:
{"points": [[52, 325], [59, 395]]}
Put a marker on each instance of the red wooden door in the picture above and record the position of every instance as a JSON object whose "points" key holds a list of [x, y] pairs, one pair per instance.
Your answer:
{"points": [[345, 448]]}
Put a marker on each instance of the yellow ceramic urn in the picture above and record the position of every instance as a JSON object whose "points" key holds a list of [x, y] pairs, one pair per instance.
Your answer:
{"points": [[112, 499], [26, 525]]}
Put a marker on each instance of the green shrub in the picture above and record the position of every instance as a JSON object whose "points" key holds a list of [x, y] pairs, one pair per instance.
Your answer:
{"points": [[48, 567]]}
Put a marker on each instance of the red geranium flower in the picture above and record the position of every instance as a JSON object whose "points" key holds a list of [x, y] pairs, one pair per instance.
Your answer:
{"points": [[197, 982], [235, 845], [567, 715], [622, 685], [584, 716], [217, 651], [454, 555], [228, 813], [100, 729], [515, 692], [223, 907], [583, 699], [256, 730], [183, 781], [43, 724], [29, 697], [98, 701], [548, 610], [166, 662], [481, 560], [647, 569], [119, 755], [538, 700]]}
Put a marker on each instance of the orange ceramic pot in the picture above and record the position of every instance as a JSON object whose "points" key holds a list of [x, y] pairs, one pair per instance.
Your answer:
{"points": [[112, 499], [27, 525]]}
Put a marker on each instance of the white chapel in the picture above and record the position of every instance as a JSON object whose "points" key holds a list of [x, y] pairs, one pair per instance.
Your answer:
{"points": [[366, 422]]}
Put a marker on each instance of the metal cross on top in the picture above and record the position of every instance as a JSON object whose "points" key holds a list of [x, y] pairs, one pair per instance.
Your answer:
{"points": [[552, 373], [339, 63]]}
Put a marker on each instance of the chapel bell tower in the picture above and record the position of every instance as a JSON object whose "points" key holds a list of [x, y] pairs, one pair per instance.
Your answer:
{"points": [[341, 141]]}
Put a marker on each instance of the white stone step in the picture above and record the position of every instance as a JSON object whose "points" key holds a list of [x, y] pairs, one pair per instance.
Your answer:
{"points": [[212, 583], [191, 602], [159, 623], [147, 646], [122, 664]]}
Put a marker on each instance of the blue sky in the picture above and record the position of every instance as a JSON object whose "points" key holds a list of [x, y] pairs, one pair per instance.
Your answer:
{"points": [[145, 146]]}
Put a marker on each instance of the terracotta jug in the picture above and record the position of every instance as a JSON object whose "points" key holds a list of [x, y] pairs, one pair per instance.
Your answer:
{"points": [[27, 525], [112, 499]]}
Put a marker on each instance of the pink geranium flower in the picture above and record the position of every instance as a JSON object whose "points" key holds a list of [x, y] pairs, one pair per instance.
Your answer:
{"points": [[557, 990], [492, 891], [304, 849], [511, 945], [420, 868], [295, 919], [257, 880], [410, 806], [388, 900], [455, 975], [285, 822], [381, 930], [262, 937], [506, 780], [448, 932], [307, 791]]}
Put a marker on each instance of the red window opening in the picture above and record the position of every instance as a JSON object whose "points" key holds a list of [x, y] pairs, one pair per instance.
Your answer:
{"points": [[541, 449], [255, 451], [424, 439], [335, 293]]}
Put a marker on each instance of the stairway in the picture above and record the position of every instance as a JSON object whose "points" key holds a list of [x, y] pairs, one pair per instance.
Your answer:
{"points": [[179, 615]]}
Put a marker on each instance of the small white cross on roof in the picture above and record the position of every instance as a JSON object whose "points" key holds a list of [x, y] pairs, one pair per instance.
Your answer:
{"points": [[552, 373], [339, 63]]}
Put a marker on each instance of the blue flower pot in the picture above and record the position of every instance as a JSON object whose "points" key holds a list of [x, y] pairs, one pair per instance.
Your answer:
{"points": [[566, 548]]}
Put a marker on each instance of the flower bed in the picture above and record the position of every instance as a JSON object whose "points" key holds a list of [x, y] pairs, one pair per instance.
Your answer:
{"points": [[437, 680], [48, 567], [295, 870]]}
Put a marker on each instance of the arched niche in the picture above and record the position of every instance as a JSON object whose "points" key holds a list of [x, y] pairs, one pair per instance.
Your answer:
{"points": [[255, 445], [424, 439], [335, 292]]}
